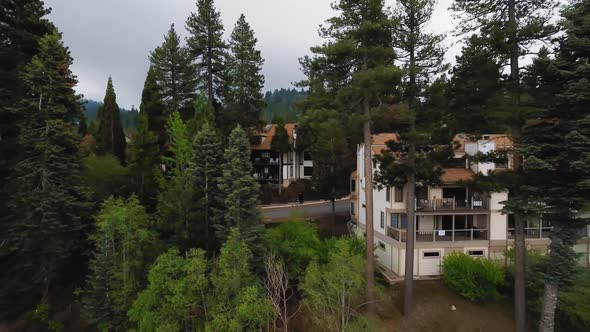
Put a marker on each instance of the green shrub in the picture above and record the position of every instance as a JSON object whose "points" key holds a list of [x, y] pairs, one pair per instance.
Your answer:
{"points": [[477, 279], [573, 313]]}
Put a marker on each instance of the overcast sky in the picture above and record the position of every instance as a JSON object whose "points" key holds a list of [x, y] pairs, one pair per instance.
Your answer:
{"points": [[115, 37]]}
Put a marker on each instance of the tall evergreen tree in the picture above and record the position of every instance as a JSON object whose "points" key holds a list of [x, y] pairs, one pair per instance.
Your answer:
{"points": [[47, 224], [144, 158], [354, 72], [111, 138], [209, 52], [207, 156], [243, 97], [423, 57], [153, 108], [281, 144], [557, 152], [22, 25], [512, 27], [240, 191], [175, 78]]}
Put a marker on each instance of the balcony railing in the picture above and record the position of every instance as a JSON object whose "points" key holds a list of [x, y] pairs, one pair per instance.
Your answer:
{"points": [[472, 234], [533, 232], [452, 204]]}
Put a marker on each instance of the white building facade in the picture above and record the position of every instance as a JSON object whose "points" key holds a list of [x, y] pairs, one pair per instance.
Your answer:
{"points": [[449, 217]]}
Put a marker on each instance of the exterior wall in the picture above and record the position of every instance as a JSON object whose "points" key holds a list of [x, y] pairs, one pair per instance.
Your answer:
{"points": [[498, 221]]}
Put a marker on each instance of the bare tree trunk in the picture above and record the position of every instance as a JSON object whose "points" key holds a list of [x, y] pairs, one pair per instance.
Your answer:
{"points": [[409, 301], [550, 296], [519, 275], [368, 163]]}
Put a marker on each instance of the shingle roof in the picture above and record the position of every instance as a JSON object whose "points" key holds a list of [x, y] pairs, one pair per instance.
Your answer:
{"points": [[267, 134]]}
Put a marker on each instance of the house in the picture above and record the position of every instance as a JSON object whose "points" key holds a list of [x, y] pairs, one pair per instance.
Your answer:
{"points": [[272, 168], [450, 217]]}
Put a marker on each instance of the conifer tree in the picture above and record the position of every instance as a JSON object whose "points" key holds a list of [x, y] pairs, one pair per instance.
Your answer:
{"points": [[175, 77], [240, 192], [556, 149], [97, 302], [354, 72], [207, 156], [153, 108], [111, 138], [512, 27], [243, 97], [144, 158], [47, 224], [22, 25], [209, 52], [281, 144], [423, 57]]}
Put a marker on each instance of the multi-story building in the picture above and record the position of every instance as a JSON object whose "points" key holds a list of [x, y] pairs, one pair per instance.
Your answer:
{"points": [[268, 163], [450, 217]]}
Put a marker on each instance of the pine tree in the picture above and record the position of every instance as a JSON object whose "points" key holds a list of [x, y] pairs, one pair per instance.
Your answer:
{"points": [[423, 57], [207, 156], [556, 149], [97, 303], [243, 96], [512, 27], [281, 144], [174, 75], [47, 224], [152, 106], [354, 72], [240, 192], [144, 159], [209, 52], [111, 138]]}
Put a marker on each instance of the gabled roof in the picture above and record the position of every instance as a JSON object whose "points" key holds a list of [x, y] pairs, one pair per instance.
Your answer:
{"points": [[380, 142], [268, 132]]}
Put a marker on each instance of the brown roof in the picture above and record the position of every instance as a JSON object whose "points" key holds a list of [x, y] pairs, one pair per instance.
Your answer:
{"points": [[454, 175], [383, 138], [267, 134]]}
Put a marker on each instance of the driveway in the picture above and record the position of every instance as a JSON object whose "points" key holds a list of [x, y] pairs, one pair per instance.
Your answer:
{"points": [[310, 210]]}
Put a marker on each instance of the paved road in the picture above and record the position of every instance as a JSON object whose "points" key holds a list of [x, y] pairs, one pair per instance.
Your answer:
{"points": [[313, 211]]}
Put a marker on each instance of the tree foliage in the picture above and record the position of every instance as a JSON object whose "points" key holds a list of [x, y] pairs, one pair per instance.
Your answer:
{"points": [[243, 96], [111, 138]]}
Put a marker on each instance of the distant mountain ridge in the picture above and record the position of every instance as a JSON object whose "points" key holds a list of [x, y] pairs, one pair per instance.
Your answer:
{"points": [[128, 117]]}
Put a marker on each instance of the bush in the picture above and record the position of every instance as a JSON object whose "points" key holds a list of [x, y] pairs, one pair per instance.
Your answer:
{"points": [[297, 243], [573, 313], [477, 279]]}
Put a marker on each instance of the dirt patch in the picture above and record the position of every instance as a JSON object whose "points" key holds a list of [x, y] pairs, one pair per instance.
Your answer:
{"points": [[433, 312]]}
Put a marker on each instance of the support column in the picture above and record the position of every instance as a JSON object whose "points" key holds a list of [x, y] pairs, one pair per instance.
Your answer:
{"points": [[453, 229]]}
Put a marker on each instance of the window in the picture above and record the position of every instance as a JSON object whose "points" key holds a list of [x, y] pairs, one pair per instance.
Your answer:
{"points": [[307, 155], [352, 185], [399, 220], [387, 194], [476, 253], [307, 171], [291, 171], [399, 194], [431, 254], [382, 220], [352, 208], [381, 245], [265, 154]]}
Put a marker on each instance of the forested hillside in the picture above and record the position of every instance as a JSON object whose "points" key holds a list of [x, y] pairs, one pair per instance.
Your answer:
{"points": [[128, 117], [282, 103]]}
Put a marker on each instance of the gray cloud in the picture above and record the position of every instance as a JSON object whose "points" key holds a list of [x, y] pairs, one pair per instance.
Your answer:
{"points": [[114, 37]]}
